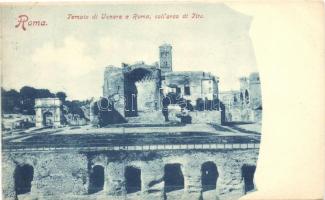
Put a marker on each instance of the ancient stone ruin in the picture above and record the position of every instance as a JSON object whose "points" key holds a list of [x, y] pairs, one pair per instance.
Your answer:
{"points": [[227, 174]]}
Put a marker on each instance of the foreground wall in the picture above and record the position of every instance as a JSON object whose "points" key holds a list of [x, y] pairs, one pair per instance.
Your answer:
{"points": [[65, 175]]}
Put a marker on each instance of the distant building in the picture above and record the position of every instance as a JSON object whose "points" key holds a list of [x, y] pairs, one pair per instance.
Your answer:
{"points": [[48, 112], [244, 104], [140, 87], [165, 57], [191, 85], [133, 87]]}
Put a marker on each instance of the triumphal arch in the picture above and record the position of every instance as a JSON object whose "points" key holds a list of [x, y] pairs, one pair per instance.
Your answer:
{"points": [[48, 113]]}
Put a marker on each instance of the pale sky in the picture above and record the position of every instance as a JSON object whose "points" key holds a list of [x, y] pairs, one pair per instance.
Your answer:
{"points": [[71, 55]]}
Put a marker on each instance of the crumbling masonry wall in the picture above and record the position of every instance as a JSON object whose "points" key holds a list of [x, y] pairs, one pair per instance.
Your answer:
{"points": [[60, 175], [146, 97]]}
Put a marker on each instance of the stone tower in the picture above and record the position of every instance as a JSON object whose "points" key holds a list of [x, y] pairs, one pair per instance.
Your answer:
{"points": [[165, 57], [255, 90]]}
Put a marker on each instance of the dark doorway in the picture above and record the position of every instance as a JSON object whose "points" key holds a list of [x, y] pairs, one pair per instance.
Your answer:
{"points": [[130, 90], [248, 172], [174, 179], [23, 179], [132, 179], [48, 118], [96, 179], [209, 176], [187, 90]]}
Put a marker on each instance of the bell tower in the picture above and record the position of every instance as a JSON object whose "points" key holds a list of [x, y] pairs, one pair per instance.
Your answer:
{"points": [[165, 57]]}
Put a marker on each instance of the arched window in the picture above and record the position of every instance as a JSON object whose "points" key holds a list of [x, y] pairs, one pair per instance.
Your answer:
{"points": [[96, 179], [235, 99], [173, 177], [248, 177], [209, 176], [246, 97], [241, 97], [23, 179], [132, 179]]}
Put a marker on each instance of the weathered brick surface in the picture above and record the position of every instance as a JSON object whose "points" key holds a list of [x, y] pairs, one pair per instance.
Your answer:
{"points": [[65, 175]]}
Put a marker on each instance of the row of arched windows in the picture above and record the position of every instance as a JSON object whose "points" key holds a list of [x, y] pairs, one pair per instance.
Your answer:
{"points": [[244, 97], [173, 178]]}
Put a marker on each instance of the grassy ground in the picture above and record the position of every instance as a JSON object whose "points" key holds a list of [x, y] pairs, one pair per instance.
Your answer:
{"points": [[142, 135], [131, 139]]}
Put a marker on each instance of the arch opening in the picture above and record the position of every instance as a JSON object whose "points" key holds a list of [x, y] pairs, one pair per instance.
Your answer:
{"points": [[173, 177], [130, 90], [248, 172], [23, 177], [48, 118], [96, 179], [209, 176], [132, 179]]}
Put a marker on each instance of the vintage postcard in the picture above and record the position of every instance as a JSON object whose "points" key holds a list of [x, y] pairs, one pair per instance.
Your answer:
{"points": [[129, 101]]}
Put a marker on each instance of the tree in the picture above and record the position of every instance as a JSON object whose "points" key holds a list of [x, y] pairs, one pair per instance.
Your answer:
{"points": [[28, 92], [28, 95], [61, 95], [74, 107], [44, 93], [10, 101], [24, 101]]}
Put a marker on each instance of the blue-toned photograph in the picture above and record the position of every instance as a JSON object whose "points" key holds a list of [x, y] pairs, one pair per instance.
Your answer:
{"points": [[129, 101]]}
